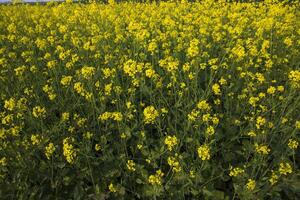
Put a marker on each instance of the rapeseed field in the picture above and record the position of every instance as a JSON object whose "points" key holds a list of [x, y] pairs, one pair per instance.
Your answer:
{"points": [[165, 100]]}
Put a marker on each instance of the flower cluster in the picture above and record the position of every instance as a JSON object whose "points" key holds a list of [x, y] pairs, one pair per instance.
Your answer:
{"points": [[150, 114], [156, 179]]}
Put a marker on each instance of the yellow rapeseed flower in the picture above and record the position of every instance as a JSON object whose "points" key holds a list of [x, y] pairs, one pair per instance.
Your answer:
{"points": [[69, 151], [216, 89], [203, 105], [285, 168], [10, 104], [49, 150], [130, 165], [156, 179], [204, 152], [171, 141], [293, 144], [262, 149], [112, 188], [174, 164], [66, 80], [236, 171], [150, 114], [251, 184], [39, 112]]}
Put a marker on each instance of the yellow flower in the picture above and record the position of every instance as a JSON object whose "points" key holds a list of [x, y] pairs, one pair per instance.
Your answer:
{"points": [[262, 149], [251, 184], [193, 115], [170, 64], [288, 41], [293, 144], [2, 133], [107, 72], [150, 73], [270, 125], [65, 116], [186, 67], [260, 77], [171, 141], [274, 178], [78, 87], [156, 179], [297, 124], [97, 84], [97, 147], [71, 129], [87, 135], [260, 121], [251, 134], [62, 28], [204, 152], [192, 174], [139, 146], [222, 81], [50, 91], [35, 139], [280, 88], [271, 90], [236, 171], [130, 165], [284, 120], [164, 111], [210, 130], [116, 116], [239, 52], [104, 116], [66, 80], [87, 72], [51, 64], [80, 121], [216, 89], [49, 150], [203, 105], [8, 119], [174, 164], [69, 150], [152, 47], [108, 89], [285, 168], [20, 70], [38, 112], [193, 49], [294, 77], [150, 114], [123, 136], [253, 101], [215, 120], [112, 188], [261, 95], [206, 117], [131, 67], [10, 104], [3, 162]]}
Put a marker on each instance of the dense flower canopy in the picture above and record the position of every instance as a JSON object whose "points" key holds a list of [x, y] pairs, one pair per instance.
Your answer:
{"points": [[142, 100]]}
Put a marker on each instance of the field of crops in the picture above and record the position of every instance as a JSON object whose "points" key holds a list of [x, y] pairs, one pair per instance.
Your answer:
{"points": [[150, 101]]}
